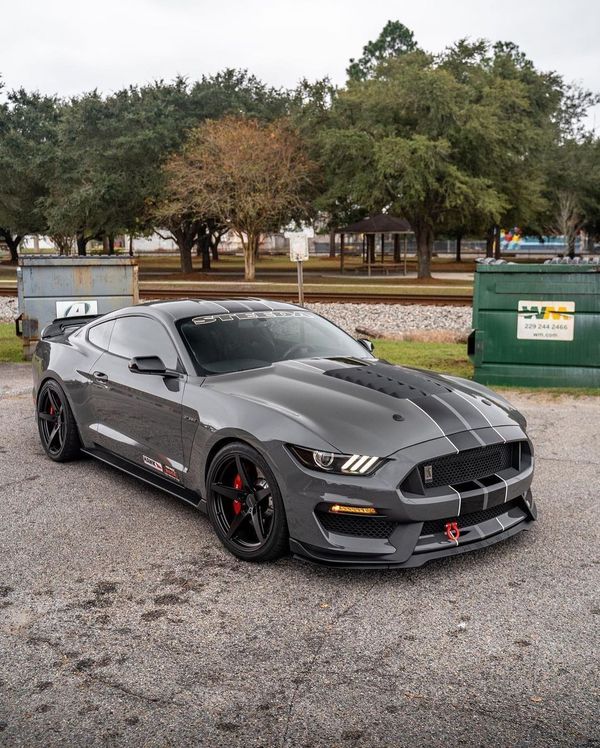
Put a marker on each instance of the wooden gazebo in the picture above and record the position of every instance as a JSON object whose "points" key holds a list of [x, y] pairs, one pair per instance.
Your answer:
{"points": [[369, 228]]}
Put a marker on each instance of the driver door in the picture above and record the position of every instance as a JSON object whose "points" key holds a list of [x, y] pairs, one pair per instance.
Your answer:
{"points": [[139, 416]]}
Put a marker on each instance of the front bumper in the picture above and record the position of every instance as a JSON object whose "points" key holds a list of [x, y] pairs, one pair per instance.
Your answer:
{"points": [[486, 511], [519, 517]]}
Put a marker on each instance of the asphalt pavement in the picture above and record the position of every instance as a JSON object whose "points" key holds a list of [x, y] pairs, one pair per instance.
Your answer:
{"points": [[123, 622]]}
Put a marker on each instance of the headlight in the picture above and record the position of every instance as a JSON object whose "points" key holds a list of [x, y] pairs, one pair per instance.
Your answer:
{"points": [[333, 462]]}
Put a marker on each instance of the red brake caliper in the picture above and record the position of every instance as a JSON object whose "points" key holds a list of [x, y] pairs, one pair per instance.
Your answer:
{"points": [[238, 485]]}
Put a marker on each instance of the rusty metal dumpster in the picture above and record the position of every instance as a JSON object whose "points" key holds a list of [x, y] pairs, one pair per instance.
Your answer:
{"points": [[50, 287]]}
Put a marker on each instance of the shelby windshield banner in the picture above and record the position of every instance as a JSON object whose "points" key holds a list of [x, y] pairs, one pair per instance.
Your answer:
{"points": [[546, 320]]}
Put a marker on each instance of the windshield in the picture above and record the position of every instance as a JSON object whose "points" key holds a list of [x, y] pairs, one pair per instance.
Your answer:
{"points": [[234, 342]]}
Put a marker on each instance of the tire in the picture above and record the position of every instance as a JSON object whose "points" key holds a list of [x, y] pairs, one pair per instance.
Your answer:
{"points": [[245, 505], [56, 425]]}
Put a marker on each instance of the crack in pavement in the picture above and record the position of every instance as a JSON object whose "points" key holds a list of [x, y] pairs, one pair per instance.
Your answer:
{"points": [[305, 675], [18, 482], [567, 459], [109, 683]]}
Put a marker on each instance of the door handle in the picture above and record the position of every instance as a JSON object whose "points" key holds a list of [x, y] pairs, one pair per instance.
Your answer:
{"points": [[100, 376]]}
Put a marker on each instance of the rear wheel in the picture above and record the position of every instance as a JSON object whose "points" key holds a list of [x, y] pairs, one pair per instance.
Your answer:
{"points": [[56, 425], [245, 505]]}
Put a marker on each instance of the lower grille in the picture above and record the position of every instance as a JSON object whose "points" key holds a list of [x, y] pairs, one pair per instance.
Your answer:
{"points": [[468, 465], [365, 527], [467, 520]]}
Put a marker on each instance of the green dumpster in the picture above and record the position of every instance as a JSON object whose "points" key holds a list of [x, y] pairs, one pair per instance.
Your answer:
{"points": [[536, 325]]}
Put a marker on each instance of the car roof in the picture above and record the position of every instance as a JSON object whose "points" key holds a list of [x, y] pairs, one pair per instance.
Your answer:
{"points": [[182, 308]]}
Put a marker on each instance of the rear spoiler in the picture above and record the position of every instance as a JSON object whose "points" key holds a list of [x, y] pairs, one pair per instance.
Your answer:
{"points": [[67, 325]]}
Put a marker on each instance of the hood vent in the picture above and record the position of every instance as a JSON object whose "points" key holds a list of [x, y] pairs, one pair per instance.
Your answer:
{"points": [[390, 380]]}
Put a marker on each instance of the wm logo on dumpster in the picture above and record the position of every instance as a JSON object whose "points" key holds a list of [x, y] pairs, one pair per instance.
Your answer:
{"points": [[560, 310], [545, 320]]}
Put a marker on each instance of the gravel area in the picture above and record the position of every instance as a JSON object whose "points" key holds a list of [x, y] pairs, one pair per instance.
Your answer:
{"points": [[381, 320], [8, 308], [123, 622], [395, 320]]}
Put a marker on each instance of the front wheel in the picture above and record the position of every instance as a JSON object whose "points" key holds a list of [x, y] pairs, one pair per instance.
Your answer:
{"points": [[245, 505], [56, 425]]}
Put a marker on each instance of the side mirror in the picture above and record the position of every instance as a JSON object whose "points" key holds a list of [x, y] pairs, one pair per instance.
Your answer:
{"points": [[150, 365], [367, 344]]}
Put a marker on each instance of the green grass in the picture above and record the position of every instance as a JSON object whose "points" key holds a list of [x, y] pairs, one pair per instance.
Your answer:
{"points": [[446, 358], [11, 348], [451, 358]]}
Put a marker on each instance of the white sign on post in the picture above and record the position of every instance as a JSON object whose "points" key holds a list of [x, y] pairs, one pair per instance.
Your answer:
{"points": [[298, 247], [299, 254]]}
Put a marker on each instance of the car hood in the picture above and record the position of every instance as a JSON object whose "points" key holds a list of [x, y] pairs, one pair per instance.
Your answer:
{"points": [[369, 407]]}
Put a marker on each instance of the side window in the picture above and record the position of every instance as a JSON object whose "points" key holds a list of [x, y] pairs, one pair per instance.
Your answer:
{"points": [[141, 336], [99, 335]]}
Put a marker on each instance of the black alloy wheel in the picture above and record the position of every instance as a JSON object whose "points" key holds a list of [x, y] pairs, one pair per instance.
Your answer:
{"points": [[245, 505], [56, 425]]}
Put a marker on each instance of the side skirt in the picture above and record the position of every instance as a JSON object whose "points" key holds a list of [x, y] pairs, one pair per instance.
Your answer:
{"points": [[126, 466]]}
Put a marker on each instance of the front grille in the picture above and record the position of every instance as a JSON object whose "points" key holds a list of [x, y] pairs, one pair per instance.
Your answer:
{"points": [[365, 527], [468, 465], [467, 520]]}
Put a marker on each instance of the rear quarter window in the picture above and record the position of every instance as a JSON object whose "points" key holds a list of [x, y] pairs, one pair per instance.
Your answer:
{"points": [[99, 335]]}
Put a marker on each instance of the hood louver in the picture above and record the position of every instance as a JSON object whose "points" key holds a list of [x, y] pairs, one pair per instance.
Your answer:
{"points": [[390, 380]]}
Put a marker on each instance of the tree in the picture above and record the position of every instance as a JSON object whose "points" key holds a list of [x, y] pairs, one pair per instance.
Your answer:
{"points": [[251, 177], [108, 171], [574, 190], [394, 40], [27, 148], [456, 142], [394, 140], [312, 115], [178, 108]]}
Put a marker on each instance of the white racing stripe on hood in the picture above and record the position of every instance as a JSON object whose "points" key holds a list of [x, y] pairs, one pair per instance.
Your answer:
{"points": [[472, 402], [461, 419], [436, 424]]}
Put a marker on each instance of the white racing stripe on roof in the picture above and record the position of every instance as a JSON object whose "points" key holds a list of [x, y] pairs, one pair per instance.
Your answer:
{"points": [[266, 303], [242, 303], [221, 305], [473, 402], [435, 423]]}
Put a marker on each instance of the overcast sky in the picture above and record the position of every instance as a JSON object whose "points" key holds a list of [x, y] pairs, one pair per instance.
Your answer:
{"points": [[70, 46]]}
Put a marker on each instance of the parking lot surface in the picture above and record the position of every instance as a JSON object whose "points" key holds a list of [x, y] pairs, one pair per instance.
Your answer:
{"points": [[124, 622]]}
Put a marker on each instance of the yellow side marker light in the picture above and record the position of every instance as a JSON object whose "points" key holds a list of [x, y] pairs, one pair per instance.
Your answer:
{"points": [[342, 508]]}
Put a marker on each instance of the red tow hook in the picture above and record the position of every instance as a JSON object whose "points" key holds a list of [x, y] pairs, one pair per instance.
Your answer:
{"points": [[452, 531]]}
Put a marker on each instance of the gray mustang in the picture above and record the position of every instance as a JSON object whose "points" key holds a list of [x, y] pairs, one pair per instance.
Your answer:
{"points": [[288, 432]]}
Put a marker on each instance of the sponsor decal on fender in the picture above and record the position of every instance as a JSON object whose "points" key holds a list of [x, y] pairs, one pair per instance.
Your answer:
{"points": [[170, 472], [153, 463]]}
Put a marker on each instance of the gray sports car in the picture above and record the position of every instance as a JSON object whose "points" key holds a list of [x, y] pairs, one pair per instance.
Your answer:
{"points": [[288, 432]]}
